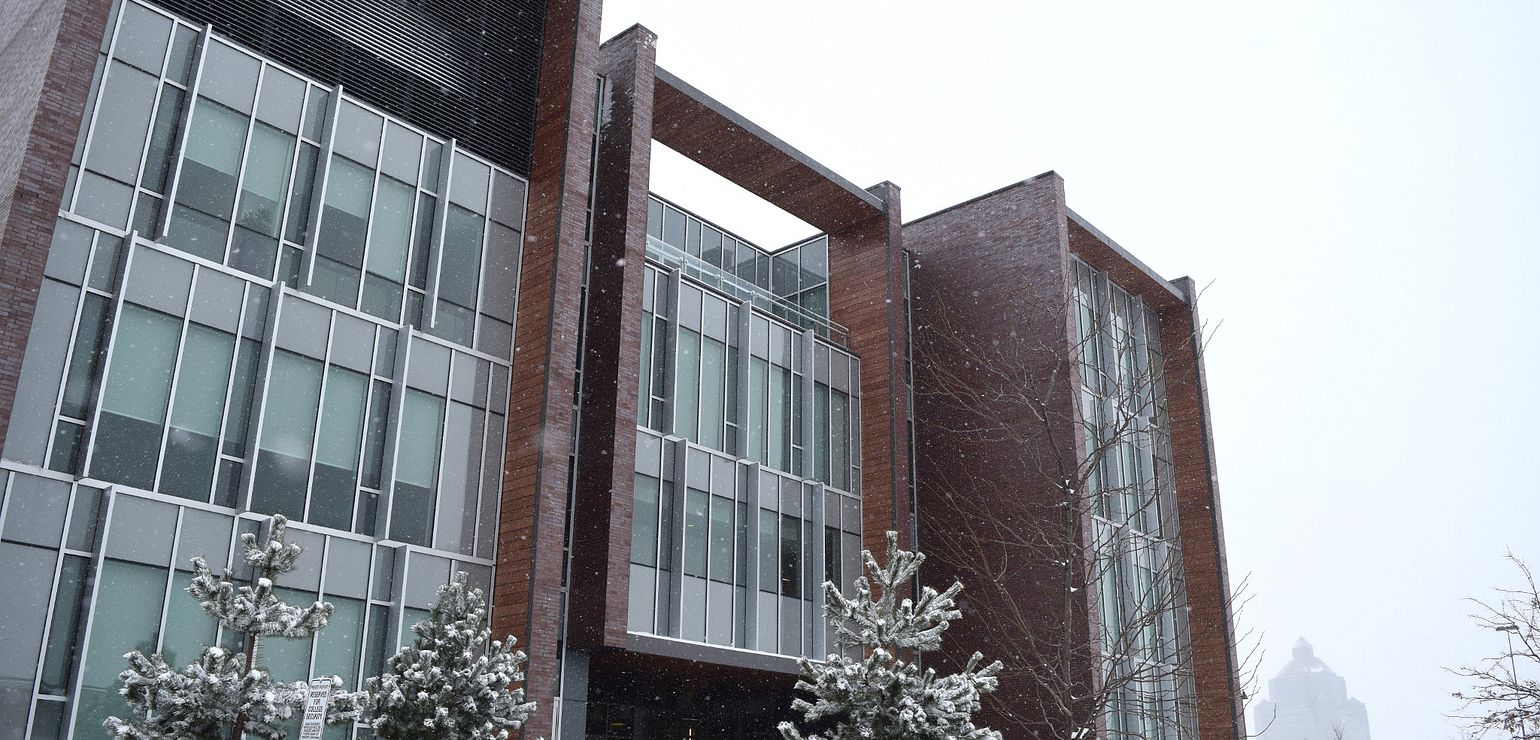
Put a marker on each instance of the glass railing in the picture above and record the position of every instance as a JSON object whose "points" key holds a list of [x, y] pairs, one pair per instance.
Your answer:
{"points": [[715, 277]]}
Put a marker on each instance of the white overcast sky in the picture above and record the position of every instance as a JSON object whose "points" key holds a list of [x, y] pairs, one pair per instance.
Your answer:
{"points": [[1357, 183]]}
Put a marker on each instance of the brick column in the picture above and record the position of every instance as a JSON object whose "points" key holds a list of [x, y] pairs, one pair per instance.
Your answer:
{"points": [[866, 295], [532, 514], [48, 59], [1220, 707], [601, 536]]}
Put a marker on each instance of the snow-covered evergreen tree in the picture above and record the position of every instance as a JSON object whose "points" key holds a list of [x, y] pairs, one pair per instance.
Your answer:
{"points": [[450, 683], [882, 695], [224, 691]]}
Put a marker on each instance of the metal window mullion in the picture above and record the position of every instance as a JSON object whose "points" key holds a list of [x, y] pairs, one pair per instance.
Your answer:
{"points": [[53, 598], [320, 413], [127, 259], [481, 470], [96, 105], [176, 374], [165, 600], [411, 231], [384, 508], [110, 494], [436, 243], [481, 266], [809, 382], [69, 352], [164, 227], [318, 191], [255, 420], [363, 653], [320, 595], [669, 392], [676, 573], [144, 149], [817, 625], [288, 189], [374, 191], [751, 553], [399, 573], [745, 358], [235, 360]]}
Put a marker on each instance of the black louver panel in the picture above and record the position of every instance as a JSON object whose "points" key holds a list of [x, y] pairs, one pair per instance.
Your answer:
{"points": [[459, 68]]}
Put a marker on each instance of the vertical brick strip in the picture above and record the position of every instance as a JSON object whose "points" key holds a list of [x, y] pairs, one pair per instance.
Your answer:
{"points": [[49, 55], [1220, 706], [527, 593], [866, 295], [601, 537]]}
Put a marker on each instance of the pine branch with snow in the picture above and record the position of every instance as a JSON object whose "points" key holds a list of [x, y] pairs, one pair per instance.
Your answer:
{"points": [[226, 692], [450, 682], [882, 695]]}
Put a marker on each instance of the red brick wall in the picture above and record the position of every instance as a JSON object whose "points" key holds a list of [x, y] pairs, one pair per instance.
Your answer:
{"points": [[995, 413], [532, 515], [49, 54], [601, 557]]}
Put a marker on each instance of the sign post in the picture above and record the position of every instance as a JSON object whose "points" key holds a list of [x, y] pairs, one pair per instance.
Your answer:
{"points": [[315, 709]]}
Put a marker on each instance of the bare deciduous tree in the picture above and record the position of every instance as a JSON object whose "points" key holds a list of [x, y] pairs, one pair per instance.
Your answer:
{"points": [[1499, 698], [1067, 525]]}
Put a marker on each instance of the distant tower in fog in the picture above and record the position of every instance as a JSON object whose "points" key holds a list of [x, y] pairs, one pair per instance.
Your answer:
{"points": [[1308, 701]]}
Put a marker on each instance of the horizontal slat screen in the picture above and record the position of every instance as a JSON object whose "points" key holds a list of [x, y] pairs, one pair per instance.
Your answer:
{"points": [[460, 68]]}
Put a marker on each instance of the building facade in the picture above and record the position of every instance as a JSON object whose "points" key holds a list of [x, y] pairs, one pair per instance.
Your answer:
{"points": [[398, 272]]}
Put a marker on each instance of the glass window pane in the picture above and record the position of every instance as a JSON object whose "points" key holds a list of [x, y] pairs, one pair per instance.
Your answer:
{"points": [[462, 474], [358, 133], [644, 521], [461, 266], [188, 628], [695, 533], [469, 186], [422, 423], [26, 580], [142, 37], [134, 402], [839, 442], [157, 161], [122, 122], [758, 384], [337, 448], [282, 100], [229, 76], [791, 556], [713, 369], [288, 427], [687, 386], [193, 443], [340, 646], [402, 153], [267, 175], [297, 230], [344, 226], [135, 592], [391, 230], [769, 557], [207, 184], [721, 539], [501, 273], [104, 200]]}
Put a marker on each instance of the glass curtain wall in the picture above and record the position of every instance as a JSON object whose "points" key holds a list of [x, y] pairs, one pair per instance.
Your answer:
{"points": [[791, 284], [747, 483], [1137, 569], [262, 297]]}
